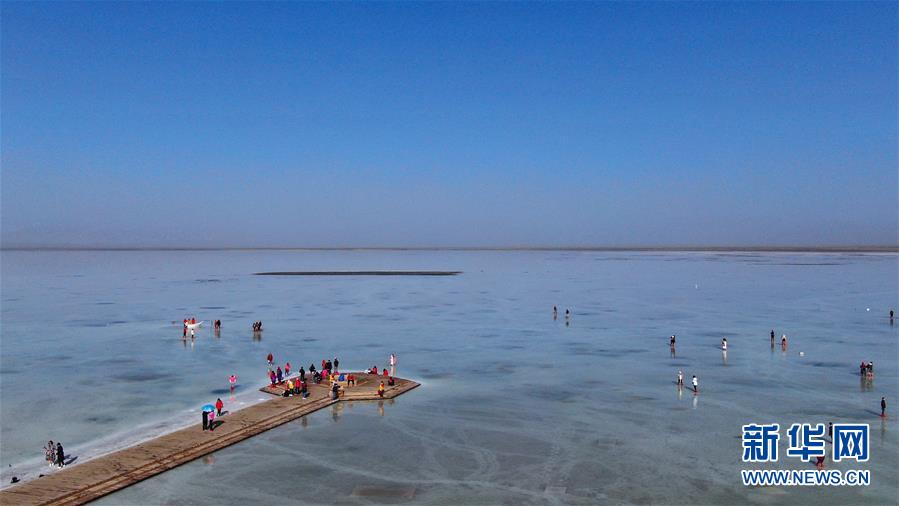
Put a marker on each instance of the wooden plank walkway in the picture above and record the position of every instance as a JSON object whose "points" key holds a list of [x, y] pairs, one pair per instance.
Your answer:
{"points": [[84, 482]]}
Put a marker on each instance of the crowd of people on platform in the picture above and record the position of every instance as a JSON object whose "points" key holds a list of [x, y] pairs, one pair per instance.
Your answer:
{"points": [[328, 372]]}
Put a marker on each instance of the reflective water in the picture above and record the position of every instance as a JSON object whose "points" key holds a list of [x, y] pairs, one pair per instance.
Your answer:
{"points": [[515, 407]]}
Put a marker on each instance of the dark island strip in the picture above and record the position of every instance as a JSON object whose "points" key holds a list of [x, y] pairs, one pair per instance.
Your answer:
{"points": [[358, 273]]}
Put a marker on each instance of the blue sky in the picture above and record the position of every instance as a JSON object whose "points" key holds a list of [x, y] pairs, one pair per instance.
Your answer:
{"points": [[299, 124]]}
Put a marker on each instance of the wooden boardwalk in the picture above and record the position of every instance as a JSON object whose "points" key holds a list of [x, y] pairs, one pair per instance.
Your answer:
{"points": [[95, 478]]}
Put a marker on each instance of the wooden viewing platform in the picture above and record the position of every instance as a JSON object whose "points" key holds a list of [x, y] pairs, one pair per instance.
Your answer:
{"points": [[84, 482]]}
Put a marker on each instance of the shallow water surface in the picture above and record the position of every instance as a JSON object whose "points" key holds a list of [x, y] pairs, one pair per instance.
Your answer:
{"points": [[515, 407]]}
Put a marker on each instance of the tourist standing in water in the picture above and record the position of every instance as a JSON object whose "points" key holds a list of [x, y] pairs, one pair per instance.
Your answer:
{"points": [[555, 312], [772, 337], [680, 378], [883, 406], [695, 385], [783, 342], [724, 344]]}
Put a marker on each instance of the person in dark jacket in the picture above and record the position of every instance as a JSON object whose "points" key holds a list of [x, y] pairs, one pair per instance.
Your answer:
{"points": [[60, 455]]}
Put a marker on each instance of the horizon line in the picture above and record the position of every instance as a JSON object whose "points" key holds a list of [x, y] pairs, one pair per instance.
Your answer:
{"points": [[863, 248]]}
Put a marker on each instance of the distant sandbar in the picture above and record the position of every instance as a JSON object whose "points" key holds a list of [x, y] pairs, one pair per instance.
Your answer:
{"points": [[359, 273]]}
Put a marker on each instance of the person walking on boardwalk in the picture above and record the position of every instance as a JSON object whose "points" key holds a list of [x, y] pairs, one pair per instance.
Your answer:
{"points": [[279, 374], [60, 455], [695, 385], [211, 421], [287, 369], [219, 405], [302, 374], [205, 420], [381, 389], [883, 406]]}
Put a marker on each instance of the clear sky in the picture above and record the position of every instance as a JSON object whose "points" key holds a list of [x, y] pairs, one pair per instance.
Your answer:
{"points": [[298, 124]]}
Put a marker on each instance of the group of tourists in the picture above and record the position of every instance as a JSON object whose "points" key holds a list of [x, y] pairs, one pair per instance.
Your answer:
{"points": [[783, 341], [56, 456], [694, 382], [257, 326], [329, 372], [866, 369], [567, 314], [209, 414], [184, 327], [296, 386]]}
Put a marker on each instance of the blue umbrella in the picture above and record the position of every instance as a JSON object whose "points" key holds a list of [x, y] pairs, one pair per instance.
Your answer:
{"points": [[208, 408]]}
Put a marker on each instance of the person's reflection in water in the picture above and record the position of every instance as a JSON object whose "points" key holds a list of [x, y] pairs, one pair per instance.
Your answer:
{"points": [[304, 422], [724, 356], [695, 401], [381, 408], [866, 383]]}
